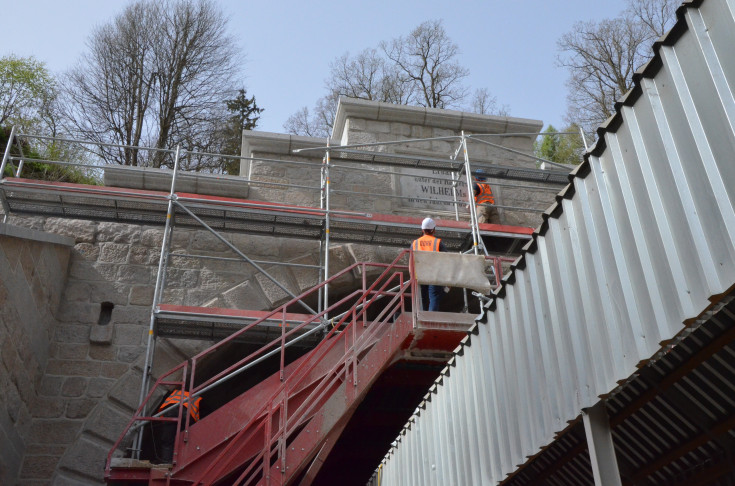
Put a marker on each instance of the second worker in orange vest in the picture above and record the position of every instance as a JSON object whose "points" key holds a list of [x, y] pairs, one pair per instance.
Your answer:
{"points": [[164, 433], [431, 295], [484, 199]]}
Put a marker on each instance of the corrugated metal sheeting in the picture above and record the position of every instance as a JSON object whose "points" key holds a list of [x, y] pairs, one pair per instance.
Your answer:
{"points": [[624, 265]]}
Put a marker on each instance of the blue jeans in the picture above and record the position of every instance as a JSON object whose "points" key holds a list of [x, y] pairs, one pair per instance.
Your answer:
{"points": [[431, 296]]}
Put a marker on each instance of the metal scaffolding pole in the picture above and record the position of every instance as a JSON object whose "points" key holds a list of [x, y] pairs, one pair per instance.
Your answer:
{"points": [[473, 207], [326, 227], [158, 290], [6, 155]]}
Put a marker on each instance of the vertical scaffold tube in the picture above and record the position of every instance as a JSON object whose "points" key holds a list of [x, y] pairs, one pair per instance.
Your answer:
{"points": [[326, 228], [6, 156], [157, 296], [470, 192]]}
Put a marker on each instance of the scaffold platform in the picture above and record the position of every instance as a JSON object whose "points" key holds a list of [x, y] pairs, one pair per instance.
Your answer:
{"points": [[136, 206], [211, 323]]}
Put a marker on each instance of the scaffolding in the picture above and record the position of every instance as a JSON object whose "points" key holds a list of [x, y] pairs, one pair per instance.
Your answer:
{"points": [[325, 224]]}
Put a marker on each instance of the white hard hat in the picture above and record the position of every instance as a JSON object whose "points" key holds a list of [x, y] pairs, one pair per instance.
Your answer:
{"points": [[428, 224]]}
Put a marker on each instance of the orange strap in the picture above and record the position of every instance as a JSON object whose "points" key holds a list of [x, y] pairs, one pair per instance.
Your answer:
{"points": [[177, 397]]}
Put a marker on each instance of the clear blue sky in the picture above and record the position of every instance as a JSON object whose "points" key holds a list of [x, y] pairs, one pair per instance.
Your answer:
{"points": [[509, 46]]}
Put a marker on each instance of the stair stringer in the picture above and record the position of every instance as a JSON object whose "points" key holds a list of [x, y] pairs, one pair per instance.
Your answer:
{"points": [[318, 434]]}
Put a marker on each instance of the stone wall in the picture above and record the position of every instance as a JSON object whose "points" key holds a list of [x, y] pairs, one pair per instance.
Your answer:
{"points": [[77, 389], [87, 381], [33, 270], [391, 190]]}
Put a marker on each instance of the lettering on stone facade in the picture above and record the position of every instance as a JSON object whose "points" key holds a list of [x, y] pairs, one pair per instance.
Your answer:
{"points": [[424, 189]]}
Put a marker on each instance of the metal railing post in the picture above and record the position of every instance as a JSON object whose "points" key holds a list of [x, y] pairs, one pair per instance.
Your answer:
{"points": [[473, 207], [326, 229], [6, 156], [20, 162], [157, 297], [584, 139]]}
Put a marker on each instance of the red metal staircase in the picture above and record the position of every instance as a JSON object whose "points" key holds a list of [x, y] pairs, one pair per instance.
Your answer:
{"points": [[281, 430]]}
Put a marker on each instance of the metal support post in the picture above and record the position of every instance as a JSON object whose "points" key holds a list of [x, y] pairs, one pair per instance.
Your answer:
{"points": [[473, 207], [322, 202], [326, 229], [147, 367], [20, 152], [600, 446], [6, 156], [584, 139], [455, 182]]}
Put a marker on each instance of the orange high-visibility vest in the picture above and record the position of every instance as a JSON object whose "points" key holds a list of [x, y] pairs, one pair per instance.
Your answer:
{"points": [[426, 243], [486, 194], [192, 405]]}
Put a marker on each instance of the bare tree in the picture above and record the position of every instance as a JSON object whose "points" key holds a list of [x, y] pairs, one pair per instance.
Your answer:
{"points": [[656, 15], [419, 69], [602, 57], [427, 59], [316, 123], [368, 76], [484, 103], [158, 74]]}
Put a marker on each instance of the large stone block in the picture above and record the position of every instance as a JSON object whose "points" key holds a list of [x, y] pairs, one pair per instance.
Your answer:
{"points": [[247, 296], [143, 255], [79, 408], [136, 274], [86, 251], [73, 368], [273, 292], [131, 314], [82, 231], [38, 467], [126, 390], [48, 407], [151, 237], [68, 350], [98, 387], [113, 370], [118, 233], [72, 333], [114, 252], [141, 295], [51, 431], [101, 349], [131, 334], [87, 459], [74, 386]]}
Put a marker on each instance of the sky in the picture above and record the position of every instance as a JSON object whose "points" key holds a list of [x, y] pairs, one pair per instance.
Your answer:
{"points": [[509, 46]]}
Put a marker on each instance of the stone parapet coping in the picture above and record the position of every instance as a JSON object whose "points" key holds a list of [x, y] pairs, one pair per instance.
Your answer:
{"points": [[34, 235], [153, 179], [430, 117], [281, 143]]}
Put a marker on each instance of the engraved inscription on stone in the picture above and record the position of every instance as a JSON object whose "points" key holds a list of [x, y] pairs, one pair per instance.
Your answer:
{"points": [[424, 189]]}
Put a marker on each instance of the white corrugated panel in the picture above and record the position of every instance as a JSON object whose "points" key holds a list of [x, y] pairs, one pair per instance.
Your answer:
{"points": [[636, 245]]}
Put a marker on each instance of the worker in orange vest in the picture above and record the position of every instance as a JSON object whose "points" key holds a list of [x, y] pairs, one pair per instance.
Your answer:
{"points": [[484, 199], [164, 433], [431, 295]]}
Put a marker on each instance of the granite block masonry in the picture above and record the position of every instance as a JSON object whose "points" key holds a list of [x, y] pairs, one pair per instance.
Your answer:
{"points": [[75, 296]]}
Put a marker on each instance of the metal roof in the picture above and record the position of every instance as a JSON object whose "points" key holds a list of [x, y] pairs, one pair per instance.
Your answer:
{"points": [[623, 297]]}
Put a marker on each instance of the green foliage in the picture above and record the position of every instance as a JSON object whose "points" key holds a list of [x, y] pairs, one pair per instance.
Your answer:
{"points": [[27, 92], [244, 115], [43, 170], [560, 148], [245, 112]]}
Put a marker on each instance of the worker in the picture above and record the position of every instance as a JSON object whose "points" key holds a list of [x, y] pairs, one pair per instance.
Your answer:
{"points": [[164, 433], [484, 199], [431, 295]]}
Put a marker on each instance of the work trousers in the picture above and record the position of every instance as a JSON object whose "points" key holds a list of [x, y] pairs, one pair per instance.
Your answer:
{"points": [[431, 296]]}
